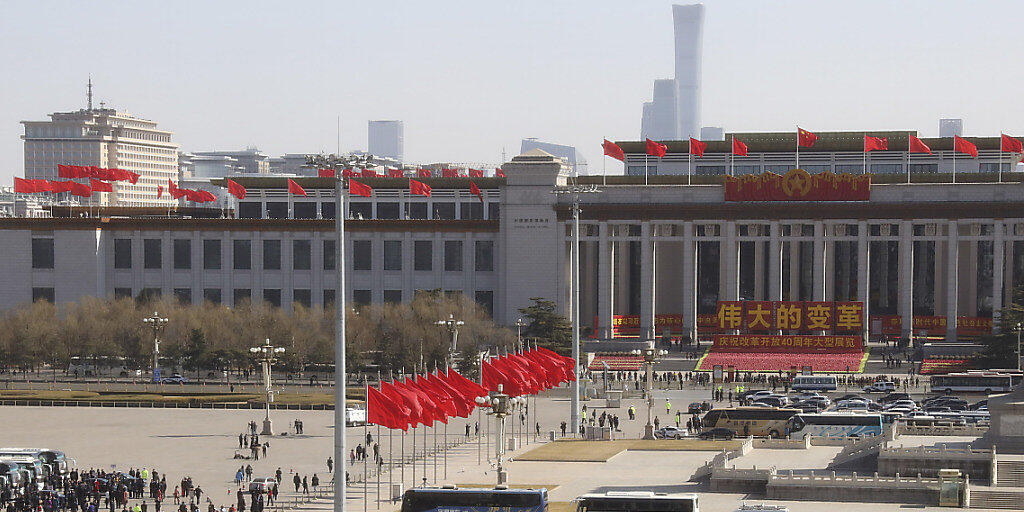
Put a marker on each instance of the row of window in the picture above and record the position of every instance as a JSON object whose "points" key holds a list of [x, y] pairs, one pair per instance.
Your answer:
{"points": [[875, 168], [302, 254], [364, 210]]}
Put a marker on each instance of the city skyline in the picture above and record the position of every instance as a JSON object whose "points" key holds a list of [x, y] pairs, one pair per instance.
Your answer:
{"points": [[889, 66]]}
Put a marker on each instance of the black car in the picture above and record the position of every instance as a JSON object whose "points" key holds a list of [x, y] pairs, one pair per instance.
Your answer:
{"points": [[892, 397], [717, 433], [694, 408]]}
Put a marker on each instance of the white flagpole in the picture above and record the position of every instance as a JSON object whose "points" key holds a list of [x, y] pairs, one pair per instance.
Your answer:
{"points": [[732, 156], [1000, 158], [908, 159], [645, 167], [954, 159], [864, 169], [797, 147], [604, 164], [689, 163]]}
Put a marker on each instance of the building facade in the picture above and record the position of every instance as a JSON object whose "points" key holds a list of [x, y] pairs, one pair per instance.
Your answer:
{"points": [[105, 138], [386, 139], [913, 253]]}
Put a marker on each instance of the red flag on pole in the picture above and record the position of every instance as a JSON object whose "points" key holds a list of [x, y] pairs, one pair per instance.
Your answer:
{"points": [[359, 189], [159, 191], [916, 145], [100, 186], [656, 149], [80, 189], [60, 186], [475, 190], [42, 185], [418, 188], [498, 172], [424, 173], [613, 150], [239, 191], [875, 143], [805, 138], [738, 148], [964, 146], [1010, 144], [325, 173], [395, 173], [697, 147], [24, 186], [295, 188], [476, 173]]}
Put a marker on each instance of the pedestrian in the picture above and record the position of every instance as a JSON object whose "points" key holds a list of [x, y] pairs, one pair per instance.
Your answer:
{"points": [[241, 439], [563, 428], [177, 496], [330, 465], [297, 481], [265, 444], [277, 477], [316, 482], [305, 485]]}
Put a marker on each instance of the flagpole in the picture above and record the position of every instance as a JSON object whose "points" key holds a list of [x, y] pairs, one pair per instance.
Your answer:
{"points": [[689, 163], [366, 473], [864, 168], [732, 156], [340, 455], [479, 410], [645, 168], [954, 159], [604, 165], [797, 147]]}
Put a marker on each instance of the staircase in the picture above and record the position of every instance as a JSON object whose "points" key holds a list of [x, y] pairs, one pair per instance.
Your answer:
{"points": [[993, 497], [856, 453], [1010, 473]]}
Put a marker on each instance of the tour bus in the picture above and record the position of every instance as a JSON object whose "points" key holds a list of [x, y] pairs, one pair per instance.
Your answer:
{"points": [[636, 501], [11, 476], [975, 381], [750, 421], [453, 499], [830, 424], [30, 467], [814, 383], [54, 461]]}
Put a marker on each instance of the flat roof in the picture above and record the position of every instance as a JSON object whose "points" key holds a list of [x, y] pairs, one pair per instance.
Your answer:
{"points": [[785, 142]]}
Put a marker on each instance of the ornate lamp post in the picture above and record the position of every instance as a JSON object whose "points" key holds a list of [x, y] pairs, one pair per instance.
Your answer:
{"points": [[157, 324], [266, 355], [519, 333], [651, 356], [453, 327], [501, 405], [1018, 329]]}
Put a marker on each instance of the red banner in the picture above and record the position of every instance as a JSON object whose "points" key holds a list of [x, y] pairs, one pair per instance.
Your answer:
{"points": [[794, 317], [759, 316], [931, 325], [629, 325], [798, 185], [786, 343]]}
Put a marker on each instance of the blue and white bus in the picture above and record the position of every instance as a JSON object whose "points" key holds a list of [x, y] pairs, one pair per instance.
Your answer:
{"points": [[453, 499], [815, 383], [636, 501], [834, 425]]}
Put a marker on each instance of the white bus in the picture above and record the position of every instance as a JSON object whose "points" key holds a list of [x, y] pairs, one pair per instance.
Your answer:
{"points": [[977, 382], [636, 501], [834, 425], [815, 383]]}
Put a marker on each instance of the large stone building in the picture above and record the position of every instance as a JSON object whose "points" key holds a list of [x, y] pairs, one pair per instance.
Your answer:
{"points": [[914, 252]]}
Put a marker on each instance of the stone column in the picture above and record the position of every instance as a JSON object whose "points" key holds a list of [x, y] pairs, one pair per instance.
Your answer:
{"points": [[606, 285], [689, 258], [998, 248], [730, 253], [818, 281], [775, 263], [864, 273], [794, 270], [952, 272], [759, 269], [906, 277], [647, 277]]}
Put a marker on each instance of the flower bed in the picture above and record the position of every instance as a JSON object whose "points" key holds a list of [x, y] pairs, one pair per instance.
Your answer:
{"points": [[939, 366], [782, 361], [616, 362]]}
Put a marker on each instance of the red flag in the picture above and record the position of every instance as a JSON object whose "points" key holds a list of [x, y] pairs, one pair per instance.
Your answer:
{"points": [[463, 402], [23, 186], [875, 143], [66, 171], [80, 189], [42, 185], [418, 188], [369, 173], [381, 410], [359, 189], [431, 411], [239, 191], [656, 149], [917, 146], [445, 403], [476, 173], [493, 377], [613, 150], [424, 173], [449, 173], [964, 146], [60, 186], [498, 172], [100, 186], [173, 189], [407, 400], [349, 173], [159, 191], [1010, 144], [295, 188], [395, 173], [805, 138], [473, 189], [467, 387], [697, 147], [738, 148], [325, 173]]}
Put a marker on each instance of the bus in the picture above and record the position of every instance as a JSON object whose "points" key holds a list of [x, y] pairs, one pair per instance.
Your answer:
{"points": [[453, 499], [54, 461], [977, 381], [834, 425], [815, 383], [636, 501], [750, 421]]}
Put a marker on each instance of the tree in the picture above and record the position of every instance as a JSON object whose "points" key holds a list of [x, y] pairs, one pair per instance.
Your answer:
{"points": [[550, 329], [1001, 349], [195, 350]]}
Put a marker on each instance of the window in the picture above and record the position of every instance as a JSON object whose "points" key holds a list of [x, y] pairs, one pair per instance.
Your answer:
{"points": [[305, 210], [444, 211], [240, 296], [392, 255], [122, 253], [361, 297], [393, 296], [328, 299], [994, 167], [453, 256], [42, 253], [493, 211], [122, 293], [277, 210], [362, 256], [182, 254], [211, 254], [301, 257], [272, 296], [484, 261], [183, 295], [250, 210], [360, 210], [887, 168], [327, 210], [387, 210], [302, 296], [741, 170], [330, 254], [423, 254], [271, 255], [485, 298], [471, 211], [211, 295], [152, 259], [242, 254], [46, 294], [417, 211], [924, 168]]}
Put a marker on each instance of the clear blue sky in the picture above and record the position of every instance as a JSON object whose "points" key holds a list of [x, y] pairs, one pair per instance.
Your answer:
{"points": [[470, 78]]}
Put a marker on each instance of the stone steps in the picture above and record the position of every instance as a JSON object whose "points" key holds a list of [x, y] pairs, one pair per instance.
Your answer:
{"points": [[1001, 499], [1010, 474]]}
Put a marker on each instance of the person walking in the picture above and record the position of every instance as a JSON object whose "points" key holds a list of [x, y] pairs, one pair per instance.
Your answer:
{"points": [[330, 465], [316, 482], [305, 485], [297, 481]]}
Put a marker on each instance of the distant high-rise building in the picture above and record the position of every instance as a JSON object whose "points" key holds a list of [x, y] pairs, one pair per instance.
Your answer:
{"points": [[247, 161], [386, 138], [712, 133], [572, 158], [291, 163], [683, 104], [104, 137], [951, 127]]}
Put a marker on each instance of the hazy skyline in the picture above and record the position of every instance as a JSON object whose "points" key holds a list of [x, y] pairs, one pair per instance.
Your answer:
{"points": [[469, 79]]}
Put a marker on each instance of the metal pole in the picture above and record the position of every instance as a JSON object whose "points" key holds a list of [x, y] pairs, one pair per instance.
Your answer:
{"points": [[377, 466], [574, 417], [366, 473], [340, 455]]}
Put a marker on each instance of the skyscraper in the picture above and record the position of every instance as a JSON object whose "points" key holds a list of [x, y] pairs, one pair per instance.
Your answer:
{"points": [[674, 113], [386, 138], [659, 121]]}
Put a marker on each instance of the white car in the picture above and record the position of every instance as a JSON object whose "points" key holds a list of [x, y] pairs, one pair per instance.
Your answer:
{"points": [[669, 433], [263, 484], [880, 387], [901, 403]]}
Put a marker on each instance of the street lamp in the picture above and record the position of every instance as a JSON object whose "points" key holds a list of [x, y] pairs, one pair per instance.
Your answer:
{"points": [[574, 292], [519, 333], [157, 324], [1018, 345], [453, 327], [266, 355], [501, 405], [651, 356]]}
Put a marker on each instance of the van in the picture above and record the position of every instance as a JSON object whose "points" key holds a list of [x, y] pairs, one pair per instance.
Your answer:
{"points": [[880, 387], [815, 383]]}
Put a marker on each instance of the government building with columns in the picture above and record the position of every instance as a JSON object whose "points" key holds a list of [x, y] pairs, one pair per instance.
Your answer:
{"points": [[925, 256]]}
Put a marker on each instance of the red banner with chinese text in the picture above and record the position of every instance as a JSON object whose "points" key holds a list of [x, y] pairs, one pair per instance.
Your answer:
{"points": [[786, 343], [790, 316], [798, 185], [931, 325], [629, 325]]}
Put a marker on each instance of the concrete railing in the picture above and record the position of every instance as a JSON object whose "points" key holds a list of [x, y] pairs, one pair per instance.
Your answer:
{"points": [[854, 480], [918, 452], [948, 430], [783, 444]]}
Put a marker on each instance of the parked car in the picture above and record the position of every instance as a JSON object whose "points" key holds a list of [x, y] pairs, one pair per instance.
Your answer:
{"points": [[772, 401], [717, 433], [669, 433], [901, 403], [805, 406], [263, 484], [880, 387], [174, 379], [892, 397], [694, 408]]}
